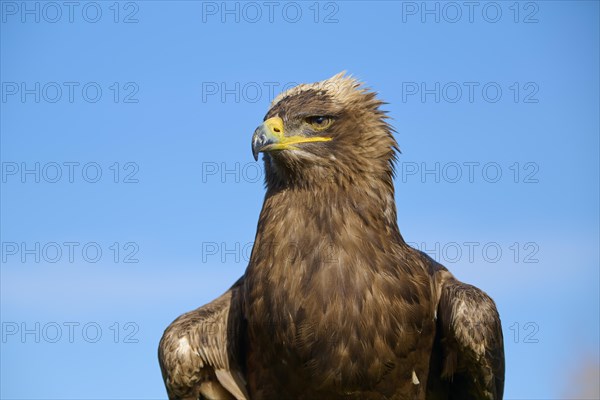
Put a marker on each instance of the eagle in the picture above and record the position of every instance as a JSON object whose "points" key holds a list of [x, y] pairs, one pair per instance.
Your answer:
{"points": [[334, 304]]}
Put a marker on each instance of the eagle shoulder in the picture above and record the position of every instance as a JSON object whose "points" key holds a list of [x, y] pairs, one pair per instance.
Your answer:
{"points": [[469, 341], [198, 352]]}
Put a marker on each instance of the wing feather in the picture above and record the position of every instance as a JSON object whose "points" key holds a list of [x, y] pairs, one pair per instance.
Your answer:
{"points": [[199, 352], [471, 342]]}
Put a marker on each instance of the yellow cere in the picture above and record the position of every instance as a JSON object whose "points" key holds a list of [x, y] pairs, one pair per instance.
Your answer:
{"points": [[274, 126]]}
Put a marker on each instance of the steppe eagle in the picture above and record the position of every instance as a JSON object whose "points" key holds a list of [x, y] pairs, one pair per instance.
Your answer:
{"points": [[334, 304]]}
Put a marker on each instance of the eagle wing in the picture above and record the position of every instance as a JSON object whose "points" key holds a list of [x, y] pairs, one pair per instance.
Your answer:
{"points": [[470, 343], [199, 352]]}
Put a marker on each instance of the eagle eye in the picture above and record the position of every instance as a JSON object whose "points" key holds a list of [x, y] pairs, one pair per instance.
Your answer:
{"points": [[319, 122]]}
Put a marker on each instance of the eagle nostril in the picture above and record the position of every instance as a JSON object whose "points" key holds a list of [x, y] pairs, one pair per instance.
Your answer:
{"points": [[276, 130]]}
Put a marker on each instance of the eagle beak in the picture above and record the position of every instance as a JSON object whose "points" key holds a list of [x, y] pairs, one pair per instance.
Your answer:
{"points": [[270, 136], [267, 135]]}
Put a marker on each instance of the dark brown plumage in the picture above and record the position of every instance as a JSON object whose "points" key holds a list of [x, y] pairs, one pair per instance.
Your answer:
{"points": [[334, 304]]}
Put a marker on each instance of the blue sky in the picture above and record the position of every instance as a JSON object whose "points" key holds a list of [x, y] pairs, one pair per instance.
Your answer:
{"points": [[129, 192]]}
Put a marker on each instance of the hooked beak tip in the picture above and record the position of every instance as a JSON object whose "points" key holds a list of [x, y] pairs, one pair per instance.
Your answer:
{"points": [[258, 142]]}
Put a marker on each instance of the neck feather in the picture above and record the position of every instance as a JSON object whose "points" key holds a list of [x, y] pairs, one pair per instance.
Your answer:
{"points": [[302, 225]]}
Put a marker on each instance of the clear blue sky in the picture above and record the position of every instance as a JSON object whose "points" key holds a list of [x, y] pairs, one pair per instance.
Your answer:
{"points": [[164, 102]]}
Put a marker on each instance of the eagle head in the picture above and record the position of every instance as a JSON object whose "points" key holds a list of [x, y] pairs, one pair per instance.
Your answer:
{"points": [[332, 130]]}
